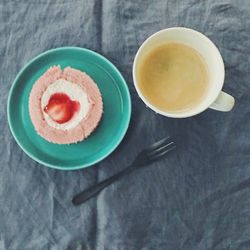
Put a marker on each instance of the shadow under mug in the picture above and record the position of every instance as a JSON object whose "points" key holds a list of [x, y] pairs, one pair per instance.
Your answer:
{"points": [[215, 97]]}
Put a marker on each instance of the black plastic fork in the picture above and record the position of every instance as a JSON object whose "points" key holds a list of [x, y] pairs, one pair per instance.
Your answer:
{"points": [[153, 153]]}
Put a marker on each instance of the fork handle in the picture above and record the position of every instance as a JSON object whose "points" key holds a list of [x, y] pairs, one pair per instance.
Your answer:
{"points": [[95, 189]]}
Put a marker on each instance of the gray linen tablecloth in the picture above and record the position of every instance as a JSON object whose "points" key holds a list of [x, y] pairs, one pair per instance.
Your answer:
{"points": [[197, 198]]}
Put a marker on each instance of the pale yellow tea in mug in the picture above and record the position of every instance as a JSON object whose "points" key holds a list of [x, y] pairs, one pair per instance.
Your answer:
{"points": [[173, 77]]}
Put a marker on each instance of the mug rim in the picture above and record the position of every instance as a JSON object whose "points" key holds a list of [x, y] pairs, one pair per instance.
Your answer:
{"points": [[191, 112]]}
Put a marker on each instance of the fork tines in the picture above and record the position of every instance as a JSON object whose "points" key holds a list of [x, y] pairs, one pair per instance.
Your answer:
{"points": [[160, 148]]}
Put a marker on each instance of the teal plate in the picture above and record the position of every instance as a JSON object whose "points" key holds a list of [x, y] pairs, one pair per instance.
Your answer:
{"points": [[109, 133]]}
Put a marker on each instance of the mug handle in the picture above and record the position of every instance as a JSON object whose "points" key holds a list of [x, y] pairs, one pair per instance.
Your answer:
{"points": [[224, 102]]}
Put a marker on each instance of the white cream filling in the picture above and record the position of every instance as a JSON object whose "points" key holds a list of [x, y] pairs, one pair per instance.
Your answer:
{"points": [[76, 93]]}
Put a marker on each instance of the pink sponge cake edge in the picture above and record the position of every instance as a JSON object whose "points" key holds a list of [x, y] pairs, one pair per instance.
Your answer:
{"points": [[86, 126]]}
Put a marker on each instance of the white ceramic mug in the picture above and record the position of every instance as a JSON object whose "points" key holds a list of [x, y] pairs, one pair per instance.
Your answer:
{"points": [[215, 97]]}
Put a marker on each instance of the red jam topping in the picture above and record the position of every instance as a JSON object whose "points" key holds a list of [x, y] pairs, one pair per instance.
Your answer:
{"points": [[61, 108]]}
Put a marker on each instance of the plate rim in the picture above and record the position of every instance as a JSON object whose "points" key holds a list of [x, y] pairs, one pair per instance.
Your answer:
{"points": [[75, 167]]}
